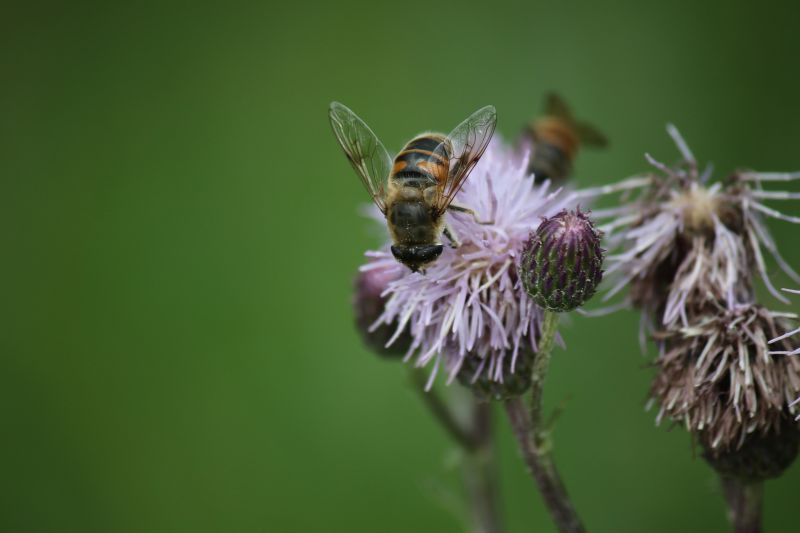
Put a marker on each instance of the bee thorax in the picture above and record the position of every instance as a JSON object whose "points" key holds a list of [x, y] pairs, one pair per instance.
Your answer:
{"points": [[412, 222]]}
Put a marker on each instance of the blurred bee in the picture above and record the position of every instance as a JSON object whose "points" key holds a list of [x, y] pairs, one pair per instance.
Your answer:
{"points": [[415, 190], [556, 138]]}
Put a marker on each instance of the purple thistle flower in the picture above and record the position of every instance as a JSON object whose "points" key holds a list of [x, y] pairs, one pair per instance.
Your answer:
{"points": [[470, 302], [684, 239]]}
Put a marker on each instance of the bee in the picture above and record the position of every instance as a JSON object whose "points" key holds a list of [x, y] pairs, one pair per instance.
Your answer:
{"points": [[414, 190], [556, 137]]}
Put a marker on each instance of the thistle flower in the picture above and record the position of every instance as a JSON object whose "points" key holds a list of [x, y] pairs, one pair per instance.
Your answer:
{"points": [[717, 377], [562, 262], [684, 239], [368, 305], [470, 302]]}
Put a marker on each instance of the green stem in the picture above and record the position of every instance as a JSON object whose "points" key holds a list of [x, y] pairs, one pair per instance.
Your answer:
{"points": [[480, 475], [534, 439], [541, 364], [744, 504], [465, 438], [480, 467]]}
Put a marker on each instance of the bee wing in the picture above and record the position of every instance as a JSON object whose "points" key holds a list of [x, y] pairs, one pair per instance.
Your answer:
{"points": [[590, 135], [555, 106], [364, 150], [465, 146]]}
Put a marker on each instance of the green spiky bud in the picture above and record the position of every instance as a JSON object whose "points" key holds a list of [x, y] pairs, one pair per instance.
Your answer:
{"points": [[562, 262]]}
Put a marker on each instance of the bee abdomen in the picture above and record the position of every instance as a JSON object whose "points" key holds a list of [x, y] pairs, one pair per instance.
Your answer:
{"points": [[427, 143], [422, 162], [558, 133], [555, 145], [549, 162]]}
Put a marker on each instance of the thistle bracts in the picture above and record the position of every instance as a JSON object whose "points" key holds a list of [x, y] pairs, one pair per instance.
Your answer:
{"points": [[562, 262], [512, 382], [761, 455], [368, 306]]}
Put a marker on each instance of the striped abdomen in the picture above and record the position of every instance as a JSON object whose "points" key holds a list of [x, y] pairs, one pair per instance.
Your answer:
{"points": [[555, 146], [422, 163]]}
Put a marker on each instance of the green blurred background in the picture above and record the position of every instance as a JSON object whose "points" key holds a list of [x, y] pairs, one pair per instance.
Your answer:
{"points": [[180, 232]]}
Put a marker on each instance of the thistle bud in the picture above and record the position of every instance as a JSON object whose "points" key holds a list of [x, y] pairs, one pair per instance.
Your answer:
{"points": [[368, 306], [562, 261]]}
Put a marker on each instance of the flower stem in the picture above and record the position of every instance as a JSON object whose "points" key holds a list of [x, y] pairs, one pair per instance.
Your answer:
{"points": [[540, 366], [480, 467], [744, 504], [464, 437], [480, 475], [534, 439]]}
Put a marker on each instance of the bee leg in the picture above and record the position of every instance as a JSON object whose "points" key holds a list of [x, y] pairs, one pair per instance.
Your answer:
{"points": [[460, 209], [451, 236]]}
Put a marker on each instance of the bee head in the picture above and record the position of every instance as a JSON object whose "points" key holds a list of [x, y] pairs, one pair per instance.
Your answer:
{"points": [[416, 256]]}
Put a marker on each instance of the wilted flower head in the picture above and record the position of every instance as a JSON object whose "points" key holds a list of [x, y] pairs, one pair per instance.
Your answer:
{"points": [[717, 377], [470, 302], [685, 240], [690, 250], [562, 262]]}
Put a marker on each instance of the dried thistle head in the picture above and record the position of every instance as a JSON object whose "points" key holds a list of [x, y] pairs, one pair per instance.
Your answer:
{"points": [[689, 249], [682, 233], [718, 378]]}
